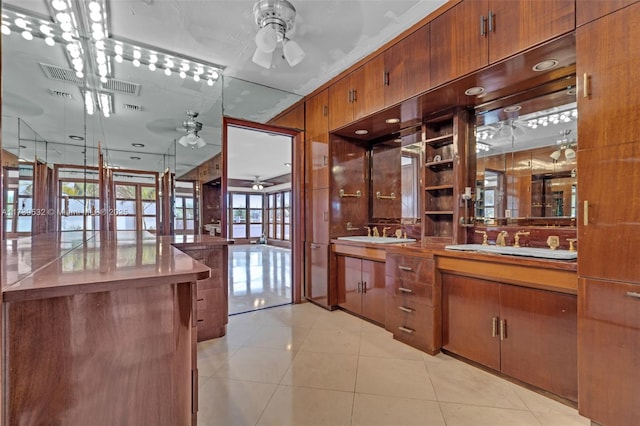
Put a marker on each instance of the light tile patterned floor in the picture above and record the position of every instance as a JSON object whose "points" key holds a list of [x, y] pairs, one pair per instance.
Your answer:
{"points": [[302, 365]]}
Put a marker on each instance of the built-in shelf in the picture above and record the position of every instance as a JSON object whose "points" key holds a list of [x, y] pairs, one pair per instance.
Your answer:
{"points": [[439, 212], [438, 188], [441, 164], [440, 140]]}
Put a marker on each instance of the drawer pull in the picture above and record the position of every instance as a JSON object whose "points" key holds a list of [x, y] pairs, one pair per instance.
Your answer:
{"points": [[405, 268], [494, 327], [407, 310], [405, 290], [633, 294], [503, 329], [406, 330]]}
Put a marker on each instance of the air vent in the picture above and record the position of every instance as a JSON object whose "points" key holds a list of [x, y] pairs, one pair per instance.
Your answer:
{"points": [[59, 94], [61, 74], [132, 107], [122, 86]]}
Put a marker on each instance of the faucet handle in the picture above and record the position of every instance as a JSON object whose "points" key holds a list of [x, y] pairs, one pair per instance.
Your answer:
{"points": [[553, 242], [384, 230], [572, 242]]}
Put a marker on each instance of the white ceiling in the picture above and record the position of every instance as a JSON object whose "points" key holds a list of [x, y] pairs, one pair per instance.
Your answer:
{"points": [[334, 35]]}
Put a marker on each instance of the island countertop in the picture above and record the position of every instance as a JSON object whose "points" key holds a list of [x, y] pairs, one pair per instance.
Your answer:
{"points": [[49, 265]]}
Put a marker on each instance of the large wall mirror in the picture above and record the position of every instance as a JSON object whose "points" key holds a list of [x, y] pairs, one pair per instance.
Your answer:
{"points": [[136, 116], [527, 161]]}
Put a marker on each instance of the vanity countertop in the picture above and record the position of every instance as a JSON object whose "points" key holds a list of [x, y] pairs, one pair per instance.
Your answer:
{"points": [[49, 265]]}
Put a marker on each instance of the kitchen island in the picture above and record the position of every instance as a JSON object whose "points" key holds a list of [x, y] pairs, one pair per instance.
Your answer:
{"points": [[99, 329]]}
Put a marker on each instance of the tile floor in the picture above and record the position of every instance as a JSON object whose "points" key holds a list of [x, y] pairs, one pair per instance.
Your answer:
{"points": [[259, 277], [302, 365]]}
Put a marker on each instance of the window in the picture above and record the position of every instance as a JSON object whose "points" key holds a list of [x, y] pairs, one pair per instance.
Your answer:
{"points": [[278, 215], [78, 199], [135, 207], [185, 208], [18, 201], [245, 215]]}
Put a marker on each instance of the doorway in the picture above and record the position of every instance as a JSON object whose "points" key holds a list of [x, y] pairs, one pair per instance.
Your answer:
{"points": [[261, 212]]}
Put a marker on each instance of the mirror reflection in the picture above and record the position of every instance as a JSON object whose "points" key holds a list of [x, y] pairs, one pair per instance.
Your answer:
{"points": [[527, 160]]}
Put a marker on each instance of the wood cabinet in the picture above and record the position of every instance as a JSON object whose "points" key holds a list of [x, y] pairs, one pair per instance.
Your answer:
{"points": [[212, 294], [317, 135], [589, 10], [526, 333], [361, 287], [317, 274], [358, 94], [406, 64], [609, 344], [412, 308], [446, 157], [476, 33], [292, 118], [608, 227]]}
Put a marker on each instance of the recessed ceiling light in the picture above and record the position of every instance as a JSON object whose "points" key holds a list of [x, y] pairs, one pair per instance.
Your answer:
{"points": [[392, 120], [513, 108], [287, 164], [135, 158], [361, 132], [138, 145], [474, 91], [545, 65], [76, 138]]}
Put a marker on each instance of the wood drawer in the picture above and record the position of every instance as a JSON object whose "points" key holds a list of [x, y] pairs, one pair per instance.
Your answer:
{"points": [[415, 328], [418, 269], [410, 290]]}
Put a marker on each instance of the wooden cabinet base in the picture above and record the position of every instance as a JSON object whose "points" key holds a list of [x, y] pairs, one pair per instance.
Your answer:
{"points": [[122, 357]]}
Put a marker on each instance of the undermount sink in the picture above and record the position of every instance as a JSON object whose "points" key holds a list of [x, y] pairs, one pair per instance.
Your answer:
{"points": [[517, 251], [377, 240]]}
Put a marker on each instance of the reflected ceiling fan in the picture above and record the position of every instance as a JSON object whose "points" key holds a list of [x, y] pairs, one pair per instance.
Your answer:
{"points": [[258, 185], [191, 139]]}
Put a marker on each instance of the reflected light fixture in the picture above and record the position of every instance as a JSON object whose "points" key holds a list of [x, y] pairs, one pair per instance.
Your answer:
{"points": [[191, 138], [275, 18]]}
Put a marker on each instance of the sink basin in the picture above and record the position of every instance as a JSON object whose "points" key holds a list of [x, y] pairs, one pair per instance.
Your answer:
{"points": [[377, 240], [517, 251]]}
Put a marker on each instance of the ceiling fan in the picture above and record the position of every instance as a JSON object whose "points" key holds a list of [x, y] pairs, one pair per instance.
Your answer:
{"points": [[258, 185], [191, 138]]}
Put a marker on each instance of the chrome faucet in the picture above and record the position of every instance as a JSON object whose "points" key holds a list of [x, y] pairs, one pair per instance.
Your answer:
{"points": [[384, 231], [516, 237], [500, 239]]}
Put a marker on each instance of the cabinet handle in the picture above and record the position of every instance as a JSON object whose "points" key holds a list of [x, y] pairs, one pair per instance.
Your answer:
{"points": [[503, 329], [405, 268], [633, 294], [585, 212], [586, 83], [407, 310], [359, 286], [385, 78], [325, 159], [406, 330], [355, 95], [325, 110], [313, 246], [325, 216], [483, 23], [491, 25], [364, 287], [494, 327], [405, 290]]}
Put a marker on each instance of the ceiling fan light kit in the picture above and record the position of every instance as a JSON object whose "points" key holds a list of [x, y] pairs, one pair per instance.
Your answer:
{"points": [[275, 18], [191, 139]]}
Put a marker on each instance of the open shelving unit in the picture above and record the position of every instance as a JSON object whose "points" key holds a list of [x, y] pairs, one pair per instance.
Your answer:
{"points": [[446, 147]]}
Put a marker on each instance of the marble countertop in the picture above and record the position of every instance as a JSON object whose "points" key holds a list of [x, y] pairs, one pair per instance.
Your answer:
{"points": [[54, 265]]}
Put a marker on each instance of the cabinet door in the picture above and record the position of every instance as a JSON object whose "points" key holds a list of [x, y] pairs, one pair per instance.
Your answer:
{"points": [[609, 182], [589, 10], [317, 216], [317, 277], [373, 305], [607, 53], [608, 345], [458, 45], [469, 309], [407, 67], [318, 161], [317, 114], [349, 277], [340, 103], [368, 86], [540, 339], [518, 25]]}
